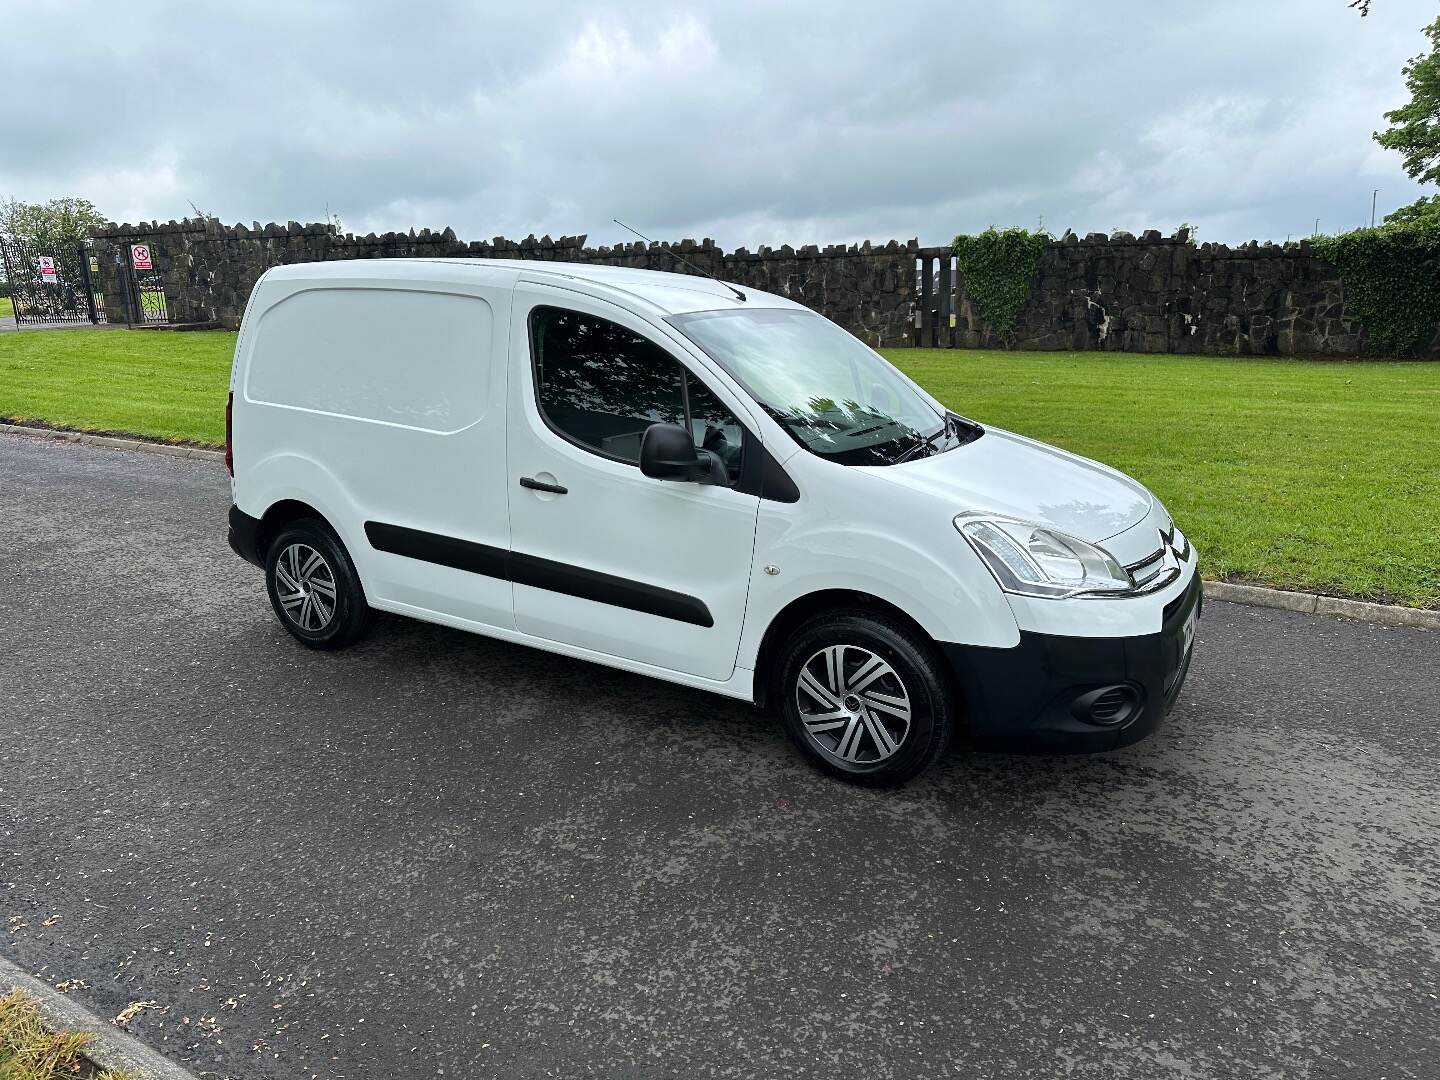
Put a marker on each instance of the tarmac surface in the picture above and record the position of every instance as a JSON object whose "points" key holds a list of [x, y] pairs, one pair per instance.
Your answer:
{"points": [[440, 855]]}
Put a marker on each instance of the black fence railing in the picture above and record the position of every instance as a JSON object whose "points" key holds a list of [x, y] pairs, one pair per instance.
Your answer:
{"points": [[52, 287]]}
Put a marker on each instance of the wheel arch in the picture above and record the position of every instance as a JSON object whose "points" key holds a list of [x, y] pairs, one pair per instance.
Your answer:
{"points": [[279, 515], [800, 611]]}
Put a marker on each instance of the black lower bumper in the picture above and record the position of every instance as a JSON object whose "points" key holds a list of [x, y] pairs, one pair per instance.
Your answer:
{"points": [[1055, 694], [242, 536]]}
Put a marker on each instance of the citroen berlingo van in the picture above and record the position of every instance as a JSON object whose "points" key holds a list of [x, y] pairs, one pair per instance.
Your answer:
{"points": [[700, 482]]}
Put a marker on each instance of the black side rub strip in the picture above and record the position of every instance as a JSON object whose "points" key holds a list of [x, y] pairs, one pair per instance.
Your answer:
{"points": [[539, 573], [434, 548], [607, 589]]}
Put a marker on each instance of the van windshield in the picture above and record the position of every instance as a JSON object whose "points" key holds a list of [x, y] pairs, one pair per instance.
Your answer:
{"points": [[833, 395]]}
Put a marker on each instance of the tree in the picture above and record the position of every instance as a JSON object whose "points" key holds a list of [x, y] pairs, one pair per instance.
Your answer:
{"points": [[58, 223], [1363, 6], [1415, 128], [1415, 132], [1424, 212]]}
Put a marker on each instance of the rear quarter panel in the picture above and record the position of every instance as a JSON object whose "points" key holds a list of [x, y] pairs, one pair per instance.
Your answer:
{"points": [[355, 469]]}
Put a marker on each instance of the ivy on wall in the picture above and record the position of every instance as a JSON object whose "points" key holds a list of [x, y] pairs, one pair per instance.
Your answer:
{"points": [[998, 266], [1391, 277]]}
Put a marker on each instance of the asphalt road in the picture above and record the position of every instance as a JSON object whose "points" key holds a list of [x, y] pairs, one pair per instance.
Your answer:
{"points": [[439, 855]]}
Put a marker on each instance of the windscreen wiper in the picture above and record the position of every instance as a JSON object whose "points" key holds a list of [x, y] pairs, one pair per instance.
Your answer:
{"points": [[928, 440]]}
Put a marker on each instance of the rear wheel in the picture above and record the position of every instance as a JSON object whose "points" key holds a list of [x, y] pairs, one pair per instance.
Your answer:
{"points": [[314, 588], [865, 698]]}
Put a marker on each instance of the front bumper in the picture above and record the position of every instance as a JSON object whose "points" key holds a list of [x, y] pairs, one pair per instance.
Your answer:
{"points": [[1049, 693]]}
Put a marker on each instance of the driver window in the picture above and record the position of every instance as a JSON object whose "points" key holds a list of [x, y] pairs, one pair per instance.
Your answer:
{"points": [[601, 385], [713, 426]]}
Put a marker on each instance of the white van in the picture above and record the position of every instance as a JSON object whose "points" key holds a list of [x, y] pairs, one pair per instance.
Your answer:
{"points": [[700, 482]]}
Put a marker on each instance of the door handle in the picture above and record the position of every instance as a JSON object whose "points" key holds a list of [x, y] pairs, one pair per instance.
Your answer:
{"points": [[540, 485]]}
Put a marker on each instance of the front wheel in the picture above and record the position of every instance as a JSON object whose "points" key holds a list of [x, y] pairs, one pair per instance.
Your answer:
{"points": [[865, 698], [314, 588]]}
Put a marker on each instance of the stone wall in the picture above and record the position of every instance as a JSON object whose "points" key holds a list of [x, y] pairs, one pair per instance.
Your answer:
{"points": [[1166, 294], [1152, 293], [208, 269]]}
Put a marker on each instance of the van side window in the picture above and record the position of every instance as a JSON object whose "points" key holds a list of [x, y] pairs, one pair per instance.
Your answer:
{"points": [[601, 385]]}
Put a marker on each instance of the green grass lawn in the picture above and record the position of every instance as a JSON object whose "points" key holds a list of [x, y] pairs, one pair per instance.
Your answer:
{"points": [[1302, 474], [157, 383], [1309, 475]]}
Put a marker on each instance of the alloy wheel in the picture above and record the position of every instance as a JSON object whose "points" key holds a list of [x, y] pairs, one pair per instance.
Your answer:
{"points": [[853, 705], [305, 586]]}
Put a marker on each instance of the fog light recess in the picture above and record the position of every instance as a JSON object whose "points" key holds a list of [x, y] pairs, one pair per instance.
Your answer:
{"points": [[1108, 706]]}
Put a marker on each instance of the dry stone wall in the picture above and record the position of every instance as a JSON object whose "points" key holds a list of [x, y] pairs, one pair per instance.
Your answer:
{"points": [[1156, 293], [1150, 293], [208, 269]]}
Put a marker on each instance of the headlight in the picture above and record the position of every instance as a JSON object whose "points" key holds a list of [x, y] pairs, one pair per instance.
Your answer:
{"points": [[1033, 560]]}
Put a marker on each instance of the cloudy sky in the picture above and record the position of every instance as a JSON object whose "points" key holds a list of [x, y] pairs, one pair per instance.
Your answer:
{"points": [[744, 120]]}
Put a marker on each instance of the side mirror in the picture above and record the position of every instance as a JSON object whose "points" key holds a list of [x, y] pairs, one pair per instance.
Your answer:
{"points": [[667, 452]]}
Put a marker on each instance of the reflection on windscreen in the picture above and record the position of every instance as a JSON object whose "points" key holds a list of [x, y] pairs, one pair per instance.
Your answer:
{"points": [[835, 396]]}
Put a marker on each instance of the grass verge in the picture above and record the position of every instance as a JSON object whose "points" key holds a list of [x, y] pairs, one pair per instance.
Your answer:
{"points": [[30, 1051], [7, 308], [1301, 474]]}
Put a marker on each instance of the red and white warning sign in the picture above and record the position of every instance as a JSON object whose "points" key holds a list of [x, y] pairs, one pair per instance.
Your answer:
{"points": [[47, 269], [140, 256]]}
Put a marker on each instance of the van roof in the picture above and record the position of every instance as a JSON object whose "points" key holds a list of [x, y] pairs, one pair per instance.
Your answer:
{"points": [[672, 294]]}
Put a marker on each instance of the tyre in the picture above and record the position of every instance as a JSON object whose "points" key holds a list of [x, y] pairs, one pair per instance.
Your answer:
{"points": [[865, 698], [313, 587]]}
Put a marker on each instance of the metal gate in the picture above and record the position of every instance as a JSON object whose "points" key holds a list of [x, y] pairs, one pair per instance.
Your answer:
{"points": [[51, 287], [143, 287], [937, 301]]}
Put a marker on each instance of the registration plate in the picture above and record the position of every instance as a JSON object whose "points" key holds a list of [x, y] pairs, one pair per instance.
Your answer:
{"points": [[1187, 632]]}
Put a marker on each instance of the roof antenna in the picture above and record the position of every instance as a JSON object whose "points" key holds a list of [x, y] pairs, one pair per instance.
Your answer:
{"points": [[738, 294]]}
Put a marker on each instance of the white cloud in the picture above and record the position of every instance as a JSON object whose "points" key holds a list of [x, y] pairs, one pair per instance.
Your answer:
{"points": [[745, 120]]}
